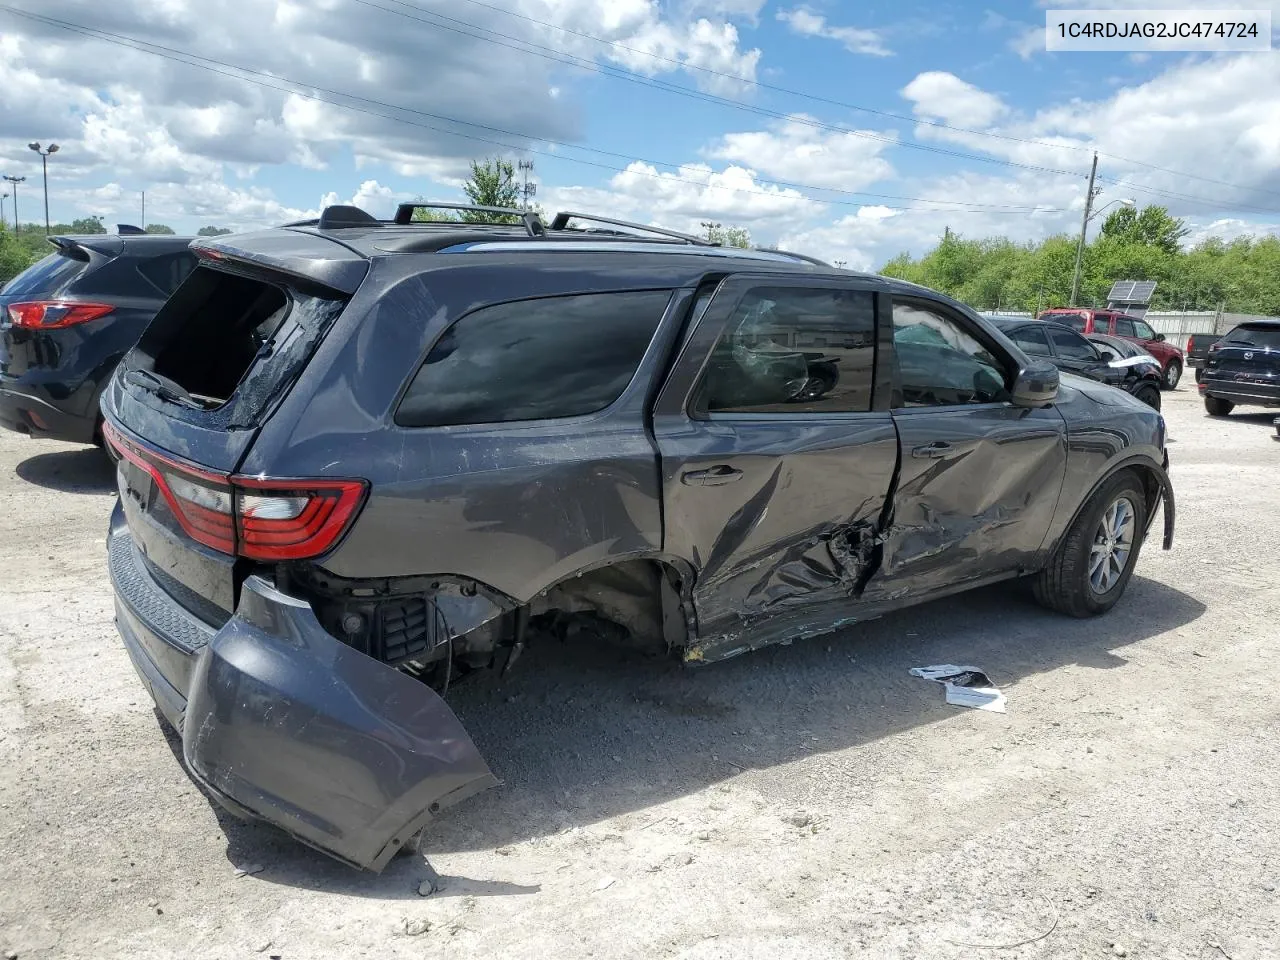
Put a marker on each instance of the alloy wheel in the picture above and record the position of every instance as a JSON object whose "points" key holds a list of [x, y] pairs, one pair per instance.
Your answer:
{"points": [[1112, 545]]}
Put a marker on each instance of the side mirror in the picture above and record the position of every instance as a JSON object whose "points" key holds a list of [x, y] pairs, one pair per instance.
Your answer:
{"points": [[1159, 338], [1106, 355], [1036, 385]]}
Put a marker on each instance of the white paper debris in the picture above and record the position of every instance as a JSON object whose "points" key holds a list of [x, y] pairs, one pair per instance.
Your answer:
{"points": [[248, 870], [965, 686]]}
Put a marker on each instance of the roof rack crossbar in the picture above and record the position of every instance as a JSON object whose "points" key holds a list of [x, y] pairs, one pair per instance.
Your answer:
{"points": [[532, 224], [561, 222]]}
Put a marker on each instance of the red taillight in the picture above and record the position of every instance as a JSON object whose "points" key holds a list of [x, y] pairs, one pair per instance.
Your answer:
{"points": [[254, 517], [1214, 347], [293, 519], [52, 314]]}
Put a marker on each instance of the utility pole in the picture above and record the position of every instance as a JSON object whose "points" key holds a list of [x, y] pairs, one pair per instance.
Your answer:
{"points": [[15, 181], [1084, 225], [527, 189], [711, 226]]}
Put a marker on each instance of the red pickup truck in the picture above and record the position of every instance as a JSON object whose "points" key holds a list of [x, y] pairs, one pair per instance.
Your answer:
{"points": [[1117, 324]]}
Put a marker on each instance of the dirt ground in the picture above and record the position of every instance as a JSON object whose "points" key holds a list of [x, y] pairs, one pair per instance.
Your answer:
{"points": [[808, 801]]}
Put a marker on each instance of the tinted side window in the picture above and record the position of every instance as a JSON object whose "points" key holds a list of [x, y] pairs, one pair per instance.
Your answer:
{"points": [[534, 359], [1124, 327], [166, 272], [793, 350], [939, 362], [48, 277], [1032, 341], [1072, 346]]}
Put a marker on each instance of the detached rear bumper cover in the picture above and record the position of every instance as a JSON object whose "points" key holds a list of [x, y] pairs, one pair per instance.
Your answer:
{"points": [[285, 723]]}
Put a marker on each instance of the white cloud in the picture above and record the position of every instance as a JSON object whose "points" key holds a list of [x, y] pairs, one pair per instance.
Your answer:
{"points": [[805, 22], [1028, 42], [131, 117], [798, 151], [938, 95]]}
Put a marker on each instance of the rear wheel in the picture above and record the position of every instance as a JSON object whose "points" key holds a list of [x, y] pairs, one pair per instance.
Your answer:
{"points": [[1091, 567], [1172, 374], [1217, 407], [1199, 374], [1149, 394]]}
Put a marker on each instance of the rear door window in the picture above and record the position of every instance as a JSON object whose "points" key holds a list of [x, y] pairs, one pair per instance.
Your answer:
{"points": [[534, 359], [1124, 327], [793, 350]]}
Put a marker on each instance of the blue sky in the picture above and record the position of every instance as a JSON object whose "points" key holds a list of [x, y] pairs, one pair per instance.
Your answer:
{"points": [[696, 130]]}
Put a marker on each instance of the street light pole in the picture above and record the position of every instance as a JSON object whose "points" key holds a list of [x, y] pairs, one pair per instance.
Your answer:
{"points": [[15, 181], [1084, 225], [44, 162]]}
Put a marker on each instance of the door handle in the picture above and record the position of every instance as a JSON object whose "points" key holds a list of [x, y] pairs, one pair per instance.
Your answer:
{"points": [[711, 477], [931, 451]]}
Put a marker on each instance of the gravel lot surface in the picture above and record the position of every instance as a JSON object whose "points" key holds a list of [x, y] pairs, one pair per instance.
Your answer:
{"points": [[808, 801]]}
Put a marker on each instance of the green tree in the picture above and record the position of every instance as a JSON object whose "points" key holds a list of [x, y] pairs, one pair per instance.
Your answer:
{"points": [[212, 231], [491, 184], [87, 225], [729, 236], [14, 256], [159, 228], [1152, 226]]}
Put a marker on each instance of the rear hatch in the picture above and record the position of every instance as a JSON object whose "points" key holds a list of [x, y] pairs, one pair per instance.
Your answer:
{"points": [[1248, 354], [185, 405], [41, 303]]}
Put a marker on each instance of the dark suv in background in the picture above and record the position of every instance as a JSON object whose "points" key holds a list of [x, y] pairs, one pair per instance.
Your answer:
{"points": [[359, 460], [1242, 368], [66, 321]]}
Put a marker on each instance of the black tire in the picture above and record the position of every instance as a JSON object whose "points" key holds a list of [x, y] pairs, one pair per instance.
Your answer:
{"points": [[1149, 394], [1217, 407], [1199, 374], [1172, 374], [1064, 584]]}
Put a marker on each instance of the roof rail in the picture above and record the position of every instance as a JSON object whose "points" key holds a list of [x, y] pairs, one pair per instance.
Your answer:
{"points": [[128, 230], [532, 224], [802, 256], [561, 222]]}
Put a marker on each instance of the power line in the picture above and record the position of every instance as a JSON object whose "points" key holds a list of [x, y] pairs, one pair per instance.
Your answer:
{"points": [[619, 73], [817, 98], [201, 62]]}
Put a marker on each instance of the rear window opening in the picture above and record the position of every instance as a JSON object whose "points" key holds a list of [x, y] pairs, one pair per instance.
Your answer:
{"points": [[228, 343], [1263, 336], [222, 336]]}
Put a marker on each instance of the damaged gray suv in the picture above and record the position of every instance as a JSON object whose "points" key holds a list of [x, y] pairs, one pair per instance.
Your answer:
{"points": [[358, 460]]}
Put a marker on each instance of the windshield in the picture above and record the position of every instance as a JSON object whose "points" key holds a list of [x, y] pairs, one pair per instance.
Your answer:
{"points": [[1247, 335]]}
